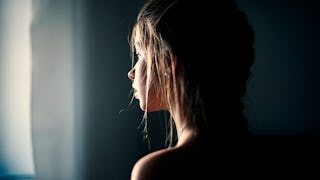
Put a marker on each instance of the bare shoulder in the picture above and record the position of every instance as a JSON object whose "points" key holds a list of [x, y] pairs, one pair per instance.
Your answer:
{"points": [[155, 165], [184, 162]]}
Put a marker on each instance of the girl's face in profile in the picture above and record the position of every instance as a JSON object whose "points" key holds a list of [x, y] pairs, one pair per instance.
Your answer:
{"points": [[138, 75]]}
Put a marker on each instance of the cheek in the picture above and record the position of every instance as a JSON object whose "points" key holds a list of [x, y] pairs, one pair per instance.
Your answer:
{"points": [[142, 91], [152, 92], [144, 105], [141, 81], [154, 98]]}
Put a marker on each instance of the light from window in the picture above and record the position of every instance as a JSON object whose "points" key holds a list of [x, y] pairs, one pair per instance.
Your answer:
{"points": [[16, 159]]}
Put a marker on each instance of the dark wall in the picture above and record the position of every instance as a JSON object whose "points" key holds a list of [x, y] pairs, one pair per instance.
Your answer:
{"points": [[282, 93], [283, 90], [112, 141]]}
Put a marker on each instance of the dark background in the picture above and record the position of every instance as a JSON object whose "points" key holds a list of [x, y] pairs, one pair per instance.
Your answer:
{"points": [[283, 92]]}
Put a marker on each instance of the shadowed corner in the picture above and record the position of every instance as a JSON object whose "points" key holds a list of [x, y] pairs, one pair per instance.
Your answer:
{"points": [[16, 177], [285, 150]]}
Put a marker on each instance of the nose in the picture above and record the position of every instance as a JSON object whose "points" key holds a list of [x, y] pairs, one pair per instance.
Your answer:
{"points": [[131, 73]]}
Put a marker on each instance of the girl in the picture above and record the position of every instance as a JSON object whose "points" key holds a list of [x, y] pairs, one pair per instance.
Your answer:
{"points": [[193, 60]]}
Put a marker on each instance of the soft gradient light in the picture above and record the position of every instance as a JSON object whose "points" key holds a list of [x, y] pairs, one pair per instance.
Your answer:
{"points": [[15, 72]]}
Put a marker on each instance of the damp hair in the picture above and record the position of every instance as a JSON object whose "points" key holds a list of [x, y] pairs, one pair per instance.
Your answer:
{"points": [[209, 52]]}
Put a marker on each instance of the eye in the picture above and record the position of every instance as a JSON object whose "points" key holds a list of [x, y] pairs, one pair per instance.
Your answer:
{"points": [[137, 56]]}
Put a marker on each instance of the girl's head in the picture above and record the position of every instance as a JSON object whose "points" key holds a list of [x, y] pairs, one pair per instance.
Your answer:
{"points": [[194, 60]]}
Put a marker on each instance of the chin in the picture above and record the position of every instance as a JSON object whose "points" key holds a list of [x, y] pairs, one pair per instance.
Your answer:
{"points": [[151, 107], [142, 106]]}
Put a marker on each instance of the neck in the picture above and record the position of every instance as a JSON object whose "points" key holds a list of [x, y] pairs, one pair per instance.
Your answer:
{"points": [[183, 127]]}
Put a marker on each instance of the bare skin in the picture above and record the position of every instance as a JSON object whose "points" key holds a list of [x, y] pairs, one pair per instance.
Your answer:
{"points": [[161, 164], [168, 163]]}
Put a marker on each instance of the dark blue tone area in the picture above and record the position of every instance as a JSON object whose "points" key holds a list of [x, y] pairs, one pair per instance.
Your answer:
{"points": [[284, 89], [16, 176], [283, 92]]}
